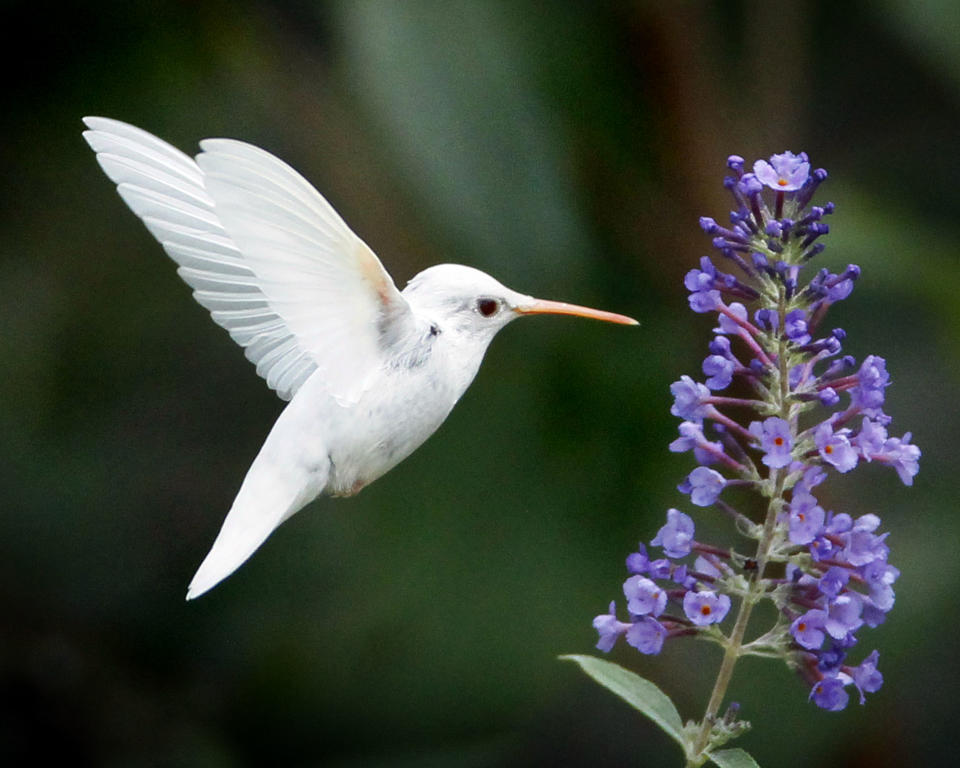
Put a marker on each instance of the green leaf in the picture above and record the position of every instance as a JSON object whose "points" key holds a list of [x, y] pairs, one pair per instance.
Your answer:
{"points": [[636, 691], [733, 758]]}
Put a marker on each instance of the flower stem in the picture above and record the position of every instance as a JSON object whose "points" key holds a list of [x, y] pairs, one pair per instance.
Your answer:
{"points": [[734, 645]]}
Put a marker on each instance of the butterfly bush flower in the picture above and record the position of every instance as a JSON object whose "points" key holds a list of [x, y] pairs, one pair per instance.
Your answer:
{"points": [[781, 411]]}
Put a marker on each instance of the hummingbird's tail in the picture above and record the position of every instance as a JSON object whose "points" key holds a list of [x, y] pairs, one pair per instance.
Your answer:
{"points": [[276, 487]]}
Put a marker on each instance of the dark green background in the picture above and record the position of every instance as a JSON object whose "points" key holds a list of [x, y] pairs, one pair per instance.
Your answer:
{"points": [[568, 148]]}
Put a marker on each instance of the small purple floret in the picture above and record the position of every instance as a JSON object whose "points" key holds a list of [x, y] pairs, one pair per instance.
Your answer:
{"points": [[719, 371], [646, 635], [795, 326], [806, 518], [829, 694], [703, 485], [703, 608], [785, 172], [731, 326], [691, 438], [767, 319], [866, 677], [644, 596], [902, 456], [676, 537], [872, 379], [829, 397], [660, 569], [638, 562], [609, 628], [687, 399], [835, 447], [880, 577], [807, 629], [833, 581], [843, 616], [775, 440]]}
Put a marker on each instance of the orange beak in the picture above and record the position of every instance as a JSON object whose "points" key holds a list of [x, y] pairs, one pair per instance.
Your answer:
{"points": [[542, 307]]}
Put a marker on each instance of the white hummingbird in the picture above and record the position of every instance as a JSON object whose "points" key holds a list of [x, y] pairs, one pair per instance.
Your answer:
{"points": [[370, 372]]}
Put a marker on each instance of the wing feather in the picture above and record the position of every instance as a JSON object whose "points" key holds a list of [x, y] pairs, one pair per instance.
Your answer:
{"points": [[284, 226], [263, 251]]}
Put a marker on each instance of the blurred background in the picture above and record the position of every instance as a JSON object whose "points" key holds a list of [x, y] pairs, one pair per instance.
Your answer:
{"points": [[567, 148]]}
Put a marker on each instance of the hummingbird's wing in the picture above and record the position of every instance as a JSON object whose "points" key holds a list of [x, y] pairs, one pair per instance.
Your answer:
{"points": [[264, 252]]}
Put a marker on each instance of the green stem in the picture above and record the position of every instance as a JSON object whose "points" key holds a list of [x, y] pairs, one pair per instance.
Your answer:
{"points": [[734, 645], [734, 642]]}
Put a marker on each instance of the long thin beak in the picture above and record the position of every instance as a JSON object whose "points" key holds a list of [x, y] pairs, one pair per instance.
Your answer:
{"points": [[542, 307]]}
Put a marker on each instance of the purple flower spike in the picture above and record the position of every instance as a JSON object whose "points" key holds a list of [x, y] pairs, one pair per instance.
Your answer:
{"points": [[775, 441], [676, 537], [785, 172], [785, 410], [703, 608]]}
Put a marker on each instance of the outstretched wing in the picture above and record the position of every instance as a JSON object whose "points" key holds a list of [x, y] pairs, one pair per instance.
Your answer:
{"points": [[264, 252]]}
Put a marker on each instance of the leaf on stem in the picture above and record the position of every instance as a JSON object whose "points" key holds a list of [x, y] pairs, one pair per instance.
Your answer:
{"points": [[639, 693], [733, 758]]}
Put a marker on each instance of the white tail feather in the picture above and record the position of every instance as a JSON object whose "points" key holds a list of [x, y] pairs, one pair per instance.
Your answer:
{"points": [[277, 486]]}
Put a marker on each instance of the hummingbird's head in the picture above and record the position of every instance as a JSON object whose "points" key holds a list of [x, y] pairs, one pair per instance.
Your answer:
{"points": [[472, 305]]}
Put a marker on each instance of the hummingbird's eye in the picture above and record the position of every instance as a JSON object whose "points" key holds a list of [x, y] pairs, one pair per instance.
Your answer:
{"points": [[488, 307]]}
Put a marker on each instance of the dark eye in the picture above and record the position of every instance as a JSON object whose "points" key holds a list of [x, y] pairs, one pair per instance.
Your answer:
{"points": [[488, 307]]}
